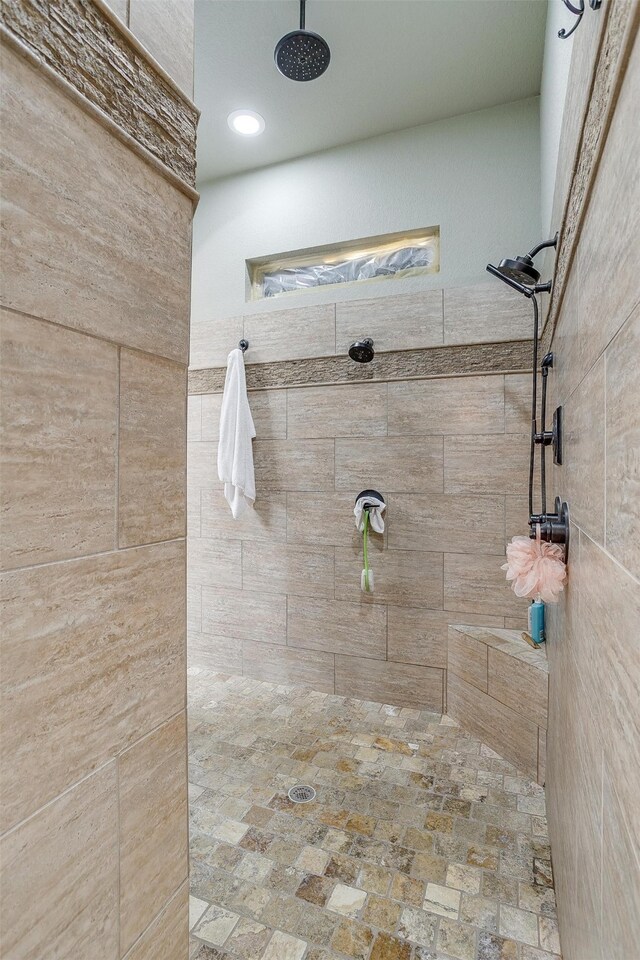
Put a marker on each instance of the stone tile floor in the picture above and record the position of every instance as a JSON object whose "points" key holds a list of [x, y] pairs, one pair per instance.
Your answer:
{"points": [[422, 843]]}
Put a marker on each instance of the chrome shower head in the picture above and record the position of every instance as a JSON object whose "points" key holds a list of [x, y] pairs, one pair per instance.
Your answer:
{"points": [[362, 350], [302, 55]]}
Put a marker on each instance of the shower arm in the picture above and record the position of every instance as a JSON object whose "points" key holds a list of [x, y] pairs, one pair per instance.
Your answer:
{"points": [[302, 14]]}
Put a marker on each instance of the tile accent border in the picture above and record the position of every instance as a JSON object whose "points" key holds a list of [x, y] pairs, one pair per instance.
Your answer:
{"points": [[450, 361], [616, 43], [100, 59]]}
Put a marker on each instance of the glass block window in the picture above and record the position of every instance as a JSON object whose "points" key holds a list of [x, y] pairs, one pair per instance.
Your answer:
{"points": [[372, 258]]}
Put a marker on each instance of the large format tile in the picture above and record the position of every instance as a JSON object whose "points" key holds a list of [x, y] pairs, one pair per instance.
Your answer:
{"points": [[266, 521], [268, 411], [325, 518], [474, 583], [337, 626], [287, 569], [622, 446], [153, 825], [212, 339], [351, 410], [244, 615], [420, 636], [583, 468], [441, 522], [620, 879], [501, 728], [518, 685], [486, 465], [394, 465], [467, 658], [408, 684], [152, 450], [486, 313], [60, 898], [167, 938], [213, 653], [291, 334], [293, 465], [446, 406], [166, 30], [93, 658], [401, 577], [60, 217], [59, 416], [404, 322], [216, 563], [277, 664]]}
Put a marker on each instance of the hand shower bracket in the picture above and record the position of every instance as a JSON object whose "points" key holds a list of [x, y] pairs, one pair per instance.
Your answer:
{"points": [[554, 527]]}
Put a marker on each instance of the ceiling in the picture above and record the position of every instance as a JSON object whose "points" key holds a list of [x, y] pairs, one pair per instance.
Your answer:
{"points": [[394, 64]]}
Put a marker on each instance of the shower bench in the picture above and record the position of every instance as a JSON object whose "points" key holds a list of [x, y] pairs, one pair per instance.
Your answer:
{"points": [[498, 689]]}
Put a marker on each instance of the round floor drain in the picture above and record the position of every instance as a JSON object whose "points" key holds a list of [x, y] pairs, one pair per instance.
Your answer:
{"points": [[302, 793]]}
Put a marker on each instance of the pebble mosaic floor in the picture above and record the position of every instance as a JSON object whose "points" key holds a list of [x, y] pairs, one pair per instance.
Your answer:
{"points": [[422, 843]]}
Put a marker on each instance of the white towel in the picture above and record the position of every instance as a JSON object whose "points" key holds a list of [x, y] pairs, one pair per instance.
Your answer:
{"points": [[376, 509], [235, 451]]}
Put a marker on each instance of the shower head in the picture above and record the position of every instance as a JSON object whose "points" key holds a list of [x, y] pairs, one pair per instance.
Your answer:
{"points": [[520, 273], [302, 55], [362, 350]]}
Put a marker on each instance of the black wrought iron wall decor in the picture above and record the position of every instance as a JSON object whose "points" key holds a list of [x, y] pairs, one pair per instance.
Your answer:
{"points": [[578, 11], [521, 274]]}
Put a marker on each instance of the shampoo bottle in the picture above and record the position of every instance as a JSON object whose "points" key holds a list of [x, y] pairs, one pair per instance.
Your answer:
{"points": [[536, 621]]}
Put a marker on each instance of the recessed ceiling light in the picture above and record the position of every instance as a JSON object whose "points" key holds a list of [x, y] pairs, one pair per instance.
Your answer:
{"points": [[246, 122]]}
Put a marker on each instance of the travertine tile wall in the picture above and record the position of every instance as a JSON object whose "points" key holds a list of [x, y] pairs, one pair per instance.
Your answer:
{"points": [[277, 595], [94, 352], [593, 767]]}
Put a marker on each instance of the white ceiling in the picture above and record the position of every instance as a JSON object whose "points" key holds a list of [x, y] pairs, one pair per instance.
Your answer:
{"points": [[394, 64]]}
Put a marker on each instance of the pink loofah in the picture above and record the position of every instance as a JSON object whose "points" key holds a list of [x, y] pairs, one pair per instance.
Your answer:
{"points": [[536, 569]]}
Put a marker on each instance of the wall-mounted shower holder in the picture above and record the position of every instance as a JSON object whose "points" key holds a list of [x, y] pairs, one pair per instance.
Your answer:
{"points": [[554, 527], [553, 437]]}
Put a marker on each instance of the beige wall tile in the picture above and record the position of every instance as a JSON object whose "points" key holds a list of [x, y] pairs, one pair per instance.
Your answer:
{"points": [[519, 685], [467, 658], [211, 408], [213, 338], [276, 664], [266, 521], [194, 418], [59, 415], [486, 464], [401, 577], [152, 450], [542, 755], [61, 218], [454, 405], [215, 563], [120, 8], [292, 334], [293, 465], [194, 606], [104, 664], [474, 583], [584, 452], [244, 616], [325, 518], [202, 466], [61, 867], [512, 736], [517, 515], [165, 28], [213, 653], [620, 878], [402, 322], [268, 409], [153, 826], [393, 465], [420, 636], [288, 569], [622, 446], [440, 522], [486, 313], [337, 626], [193, 512], [518, 388], [168, 936], [383, 682], [358, 410]]}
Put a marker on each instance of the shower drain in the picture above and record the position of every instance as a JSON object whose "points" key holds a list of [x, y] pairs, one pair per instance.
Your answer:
{"points": [[302, 793]]}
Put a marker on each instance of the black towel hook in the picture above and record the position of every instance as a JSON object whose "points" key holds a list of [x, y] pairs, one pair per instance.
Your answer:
{"points": [[244, 345]]}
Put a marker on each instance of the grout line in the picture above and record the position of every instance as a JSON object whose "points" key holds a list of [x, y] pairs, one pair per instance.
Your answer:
{"points": [[116, 539], [92, 556], [119, 832]]}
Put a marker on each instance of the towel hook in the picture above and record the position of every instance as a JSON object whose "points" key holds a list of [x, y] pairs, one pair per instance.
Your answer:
{"points": [[244, 345]]}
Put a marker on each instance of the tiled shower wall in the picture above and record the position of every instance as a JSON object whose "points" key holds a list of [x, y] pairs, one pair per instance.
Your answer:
{"points": [[94, 805], [277, 595], [594, 721]]}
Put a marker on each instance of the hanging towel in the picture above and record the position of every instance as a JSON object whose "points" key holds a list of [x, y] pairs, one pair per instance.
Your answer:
{"points": [[235, 451], [376, 509]]}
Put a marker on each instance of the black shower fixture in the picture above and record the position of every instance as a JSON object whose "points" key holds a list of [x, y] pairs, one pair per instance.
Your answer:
{"points": [[302, 55], [362, 350], [521, 273]]}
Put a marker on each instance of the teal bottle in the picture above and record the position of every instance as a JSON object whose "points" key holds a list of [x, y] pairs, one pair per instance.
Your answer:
{"points": [[536, 621]]}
